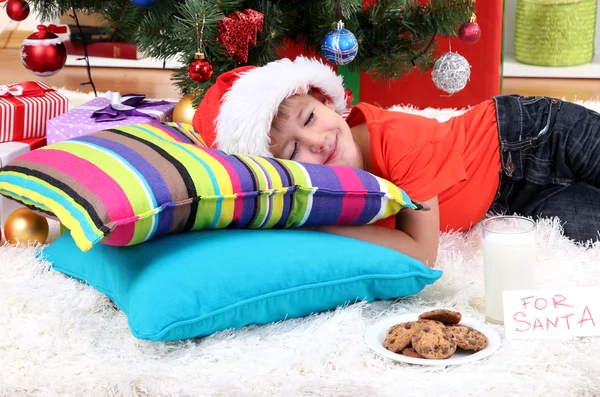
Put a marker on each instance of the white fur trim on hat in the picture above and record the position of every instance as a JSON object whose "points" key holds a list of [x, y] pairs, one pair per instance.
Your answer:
{"points": [[249, 106]]}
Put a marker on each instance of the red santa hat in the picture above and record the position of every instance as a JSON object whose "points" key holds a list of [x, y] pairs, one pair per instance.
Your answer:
{"points": [[236, 113]]}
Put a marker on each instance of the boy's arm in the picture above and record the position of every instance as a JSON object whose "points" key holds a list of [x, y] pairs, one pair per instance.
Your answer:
{"points": [[417, 233]]}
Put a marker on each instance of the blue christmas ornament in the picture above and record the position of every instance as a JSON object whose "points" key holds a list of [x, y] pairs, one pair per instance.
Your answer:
{"points": [[144, 3], [339, 45]]}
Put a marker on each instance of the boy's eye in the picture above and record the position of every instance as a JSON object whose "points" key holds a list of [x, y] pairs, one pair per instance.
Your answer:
{"points": [[295, 151], [310, 118]]}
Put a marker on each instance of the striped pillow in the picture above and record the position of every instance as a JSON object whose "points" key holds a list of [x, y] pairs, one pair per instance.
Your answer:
{"points": [[128, 185]]}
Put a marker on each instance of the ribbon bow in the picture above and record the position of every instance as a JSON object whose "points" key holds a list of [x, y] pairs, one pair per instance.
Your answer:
{"points": [[52, 29], [15, 90], [121, 107], [26, 89]]}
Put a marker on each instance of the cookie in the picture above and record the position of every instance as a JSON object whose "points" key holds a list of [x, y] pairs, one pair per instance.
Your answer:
{"points": [[434, 343], [430, 324], [411, 352], [468, 338], [442, 315], [398, 337]]}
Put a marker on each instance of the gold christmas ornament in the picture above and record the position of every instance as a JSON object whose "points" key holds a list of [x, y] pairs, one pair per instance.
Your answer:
{"points": [[184, 111], [25, 227]]}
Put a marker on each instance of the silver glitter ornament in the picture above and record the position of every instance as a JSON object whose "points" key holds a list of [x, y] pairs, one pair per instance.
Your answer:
{"points": [[451, 72]]}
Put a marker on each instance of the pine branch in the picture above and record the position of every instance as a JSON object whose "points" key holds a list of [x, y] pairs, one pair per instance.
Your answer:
{"points": [[395, 36]]}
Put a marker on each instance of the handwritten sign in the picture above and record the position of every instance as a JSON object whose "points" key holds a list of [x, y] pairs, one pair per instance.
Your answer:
{"points": [[560, 313]]}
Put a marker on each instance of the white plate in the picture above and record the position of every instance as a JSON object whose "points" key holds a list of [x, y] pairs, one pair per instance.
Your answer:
{"points": [[376, 334]]}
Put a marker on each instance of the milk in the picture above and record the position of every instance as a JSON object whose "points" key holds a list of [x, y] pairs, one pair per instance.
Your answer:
{"points": [[508, 261]]}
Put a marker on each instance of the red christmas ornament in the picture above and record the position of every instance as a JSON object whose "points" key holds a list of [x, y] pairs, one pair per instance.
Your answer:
{"points": [[200, 69], [17, 10], [470, 32], [43, 53], [238, 31]]}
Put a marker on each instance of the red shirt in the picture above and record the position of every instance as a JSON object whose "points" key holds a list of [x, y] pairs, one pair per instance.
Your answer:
{"points": [[457, 160]]}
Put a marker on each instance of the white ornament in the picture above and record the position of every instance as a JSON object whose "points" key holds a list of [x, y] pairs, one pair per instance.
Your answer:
{"points": [[451, 72]]}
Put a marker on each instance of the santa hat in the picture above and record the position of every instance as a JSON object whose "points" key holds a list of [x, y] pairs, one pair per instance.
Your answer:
{"points": [[236, 113]]}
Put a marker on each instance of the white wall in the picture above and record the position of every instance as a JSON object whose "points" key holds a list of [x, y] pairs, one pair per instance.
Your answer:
{"points": [[510, 7], [28, 24]]}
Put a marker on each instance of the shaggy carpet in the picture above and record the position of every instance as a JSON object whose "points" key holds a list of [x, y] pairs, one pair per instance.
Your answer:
{"points": [[59, 337]]}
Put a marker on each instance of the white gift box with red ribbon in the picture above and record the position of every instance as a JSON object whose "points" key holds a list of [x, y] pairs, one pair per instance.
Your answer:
{"points": [[9, 151], [25, 108]]}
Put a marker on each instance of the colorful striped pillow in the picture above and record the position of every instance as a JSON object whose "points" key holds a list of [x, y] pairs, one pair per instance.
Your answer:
{"points": [[128, 185]]}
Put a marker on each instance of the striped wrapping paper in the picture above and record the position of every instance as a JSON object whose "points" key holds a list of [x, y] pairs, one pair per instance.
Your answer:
{"points": [[9, 151], [130, 184], [25, 108]]}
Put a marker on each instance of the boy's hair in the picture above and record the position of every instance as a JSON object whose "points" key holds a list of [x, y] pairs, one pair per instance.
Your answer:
{"points": [[282, 115], [285, 108]]}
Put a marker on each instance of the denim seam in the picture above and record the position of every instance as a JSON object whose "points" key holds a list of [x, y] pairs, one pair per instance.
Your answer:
{"points": [[536, 160], [512, 185], [594, 188], [516, 146], [534, 142], [520, 120], [563, 181], [534, 100], [501, 147], [546, 130], [547, 181]]}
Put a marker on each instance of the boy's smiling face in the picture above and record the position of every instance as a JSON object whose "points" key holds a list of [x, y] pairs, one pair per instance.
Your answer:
{"points": [[307, 129]]}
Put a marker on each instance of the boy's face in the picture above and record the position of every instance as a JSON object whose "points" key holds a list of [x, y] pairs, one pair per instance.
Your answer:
{"points": [[310, 131]]}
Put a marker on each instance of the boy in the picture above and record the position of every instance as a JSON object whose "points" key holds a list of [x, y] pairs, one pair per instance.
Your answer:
{"points": [[535, 156]]}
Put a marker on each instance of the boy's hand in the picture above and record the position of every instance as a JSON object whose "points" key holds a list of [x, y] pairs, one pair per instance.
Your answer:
{"points": [[417, 233], [424, 228]]}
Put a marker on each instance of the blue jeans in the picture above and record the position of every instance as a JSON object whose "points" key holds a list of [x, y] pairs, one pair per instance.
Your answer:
{"points": [[550, 154]]}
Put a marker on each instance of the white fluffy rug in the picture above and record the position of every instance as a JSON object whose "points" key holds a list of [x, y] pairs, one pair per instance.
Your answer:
{"points": [[61, 338]]}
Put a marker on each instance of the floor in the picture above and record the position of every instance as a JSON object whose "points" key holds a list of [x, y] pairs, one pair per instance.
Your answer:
{"points": [[156, 83]]}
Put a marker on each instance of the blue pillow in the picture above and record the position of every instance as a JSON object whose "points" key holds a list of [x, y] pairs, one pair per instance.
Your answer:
{"points": [[194, 284]]}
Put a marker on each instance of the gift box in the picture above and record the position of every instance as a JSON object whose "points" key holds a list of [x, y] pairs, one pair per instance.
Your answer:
{"points": [[111, 111], [25, 108], [9, 151]]}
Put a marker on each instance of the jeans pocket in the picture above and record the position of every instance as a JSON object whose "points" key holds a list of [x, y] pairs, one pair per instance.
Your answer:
{"points": [[539, 116]]}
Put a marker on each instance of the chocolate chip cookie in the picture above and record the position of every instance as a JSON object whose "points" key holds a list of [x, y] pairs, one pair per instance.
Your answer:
{"points": [[398, 337], [411, 352], [431, 324], [434, 343], [468, 338], [442, 315]]}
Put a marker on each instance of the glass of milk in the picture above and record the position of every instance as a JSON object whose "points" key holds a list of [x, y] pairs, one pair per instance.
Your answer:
{"points": [[509, 250]]}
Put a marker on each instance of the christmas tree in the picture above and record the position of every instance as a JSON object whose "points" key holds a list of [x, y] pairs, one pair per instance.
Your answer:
{"points": [[393, 37]]}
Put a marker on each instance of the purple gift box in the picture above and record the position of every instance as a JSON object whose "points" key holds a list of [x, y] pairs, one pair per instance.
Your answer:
{"points": [[103, 113]]}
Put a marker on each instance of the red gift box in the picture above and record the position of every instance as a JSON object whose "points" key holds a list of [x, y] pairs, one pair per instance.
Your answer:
{"points": [[418, 89], [25, 108], [9, 151]]}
